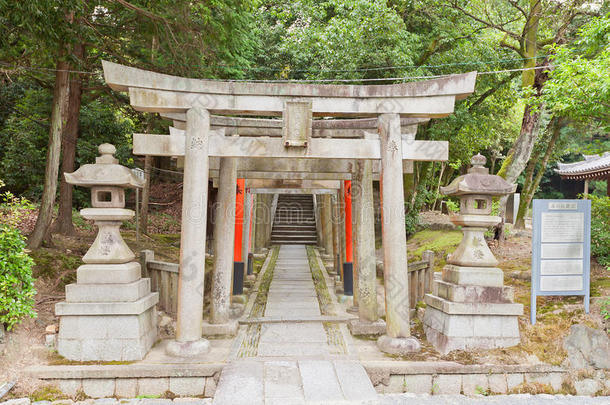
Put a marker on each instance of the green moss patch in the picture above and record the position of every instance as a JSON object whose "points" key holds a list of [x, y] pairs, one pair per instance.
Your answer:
{"points": [[326, 303], [441, 242]]}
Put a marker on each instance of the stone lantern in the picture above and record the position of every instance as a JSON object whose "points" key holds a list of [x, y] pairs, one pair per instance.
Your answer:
{"points": [[109, 313], [470, 308]]}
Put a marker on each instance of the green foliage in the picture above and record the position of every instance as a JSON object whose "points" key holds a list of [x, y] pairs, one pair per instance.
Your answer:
{"points": [[579, 85], [23, 140], [331, 39], [600, 229], [16, 281], [452, 205], [605, 308]]}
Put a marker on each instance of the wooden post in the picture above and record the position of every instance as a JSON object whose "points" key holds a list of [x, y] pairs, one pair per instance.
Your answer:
{"points": [[238, 263], [586, 188], [348, 269], [428, 256]]}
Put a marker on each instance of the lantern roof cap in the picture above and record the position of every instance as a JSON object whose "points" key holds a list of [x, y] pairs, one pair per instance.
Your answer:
{"points": [[105, 172], [479, 181]]}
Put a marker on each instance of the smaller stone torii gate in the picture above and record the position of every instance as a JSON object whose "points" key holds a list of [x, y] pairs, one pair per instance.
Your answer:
{"points": [[297, 143]]}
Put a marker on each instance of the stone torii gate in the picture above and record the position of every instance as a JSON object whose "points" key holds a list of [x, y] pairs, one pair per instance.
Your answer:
{"points": [[301, 148]]}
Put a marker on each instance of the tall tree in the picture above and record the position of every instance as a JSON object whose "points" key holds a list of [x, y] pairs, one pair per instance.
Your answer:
{"points": [[525, 27], [63, 223], [195, 39]]}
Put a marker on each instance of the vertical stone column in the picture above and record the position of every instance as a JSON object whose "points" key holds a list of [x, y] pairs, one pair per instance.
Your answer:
{"points": [[317, 217], [334, 218], [341, 236], [245, 248], [188, 340], [263, 221], [224, 234], [328, 226], [367, 300], [356, 208], [397, 339], [341, 218]]}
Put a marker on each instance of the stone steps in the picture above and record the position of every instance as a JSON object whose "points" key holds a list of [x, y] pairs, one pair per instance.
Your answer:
{"points": [[252, 382], [294, 221]]}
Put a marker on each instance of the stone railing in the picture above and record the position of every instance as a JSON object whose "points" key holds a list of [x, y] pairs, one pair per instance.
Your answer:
{"points": [[163, 279], [421, 274]]}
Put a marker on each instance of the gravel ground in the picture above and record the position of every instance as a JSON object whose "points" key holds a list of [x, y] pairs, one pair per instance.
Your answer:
{"points": [[391, 399], [518, 399]]}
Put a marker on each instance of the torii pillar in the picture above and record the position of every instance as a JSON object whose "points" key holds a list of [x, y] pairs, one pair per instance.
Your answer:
{"points": [[348, 265], [397, 340], [224, 237], [191, 278]]}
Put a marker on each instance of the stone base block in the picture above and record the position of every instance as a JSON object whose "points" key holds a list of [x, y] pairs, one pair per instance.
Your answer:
{"points": [[479, 276], [352, 310], [472, 308], [239, 299], [447, 331], [108, 273], [107, 308], [108, 292], [107, 337], [473, 293], [220, 329], [358, 327], [398, 346], [187, 349]]}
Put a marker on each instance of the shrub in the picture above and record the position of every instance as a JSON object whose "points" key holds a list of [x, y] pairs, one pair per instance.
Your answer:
{"points": [[600, 229], [16, 281]]}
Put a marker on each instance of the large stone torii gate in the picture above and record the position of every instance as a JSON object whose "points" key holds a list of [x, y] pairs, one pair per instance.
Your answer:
{"points": [[323, 147]]}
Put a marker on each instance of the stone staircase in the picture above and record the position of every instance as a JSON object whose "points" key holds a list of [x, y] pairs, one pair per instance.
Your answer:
{"points": [[294, 222]]}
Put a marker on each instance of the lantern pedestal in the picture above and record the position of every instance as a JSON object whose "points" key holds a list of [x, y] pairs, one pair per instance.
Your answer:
{"points": [[470, 308], [109, 313]]}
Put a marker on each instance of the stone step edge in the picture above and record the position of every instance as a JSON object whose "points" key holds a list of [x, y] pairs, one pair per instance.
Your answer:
{"points": [[449, 367], [178, 369], [464, 308], [301, 319], [107, 308], [136, 370]]}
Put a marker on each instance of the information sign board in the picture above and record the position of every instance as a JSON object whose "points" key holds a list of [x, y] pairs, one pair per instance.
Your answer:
{"points": [[561, 245]]}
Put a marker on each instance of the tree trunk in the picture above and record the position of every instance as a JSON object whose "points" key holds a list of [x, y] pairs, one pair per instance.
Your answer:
{"points": [[531, 185], [63, 223], [45, 214], [521, 151], [145, 195]]}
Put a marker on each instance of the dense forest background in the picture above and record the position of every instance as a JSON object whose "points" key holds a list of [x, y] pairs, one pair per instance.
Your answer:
{"points": [[542, 95]]}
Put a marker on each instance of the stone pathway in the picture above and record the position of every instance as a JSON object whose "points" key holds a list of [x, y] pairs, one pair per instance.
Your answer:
{"points": [[295, 364]]}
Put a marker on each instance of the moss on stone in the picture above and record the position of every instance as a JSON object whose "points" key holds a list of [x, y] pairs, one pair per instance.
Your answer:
{"points": [[324, 299], [47, 393], [258, 309]]}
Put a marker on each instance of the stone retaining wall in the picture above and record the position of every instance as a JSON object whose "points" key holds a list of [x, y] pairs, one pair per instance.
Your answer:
{"points": [[130, 381], [452, 378]]}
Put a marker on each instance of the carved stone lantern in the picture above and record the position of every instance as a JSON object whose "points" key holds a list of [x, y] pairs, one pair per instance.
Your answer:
{"points": [[469, 307], [109, 313]]}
